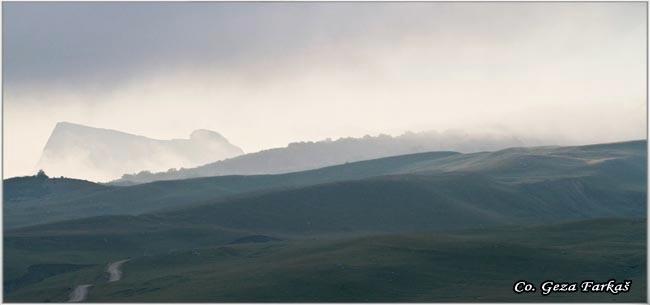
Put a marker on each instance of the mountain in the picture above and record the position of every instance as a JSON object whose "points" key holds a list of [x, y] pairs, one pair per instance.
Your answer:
{"points": [[102, 154], [579, 175], [311, 155]]}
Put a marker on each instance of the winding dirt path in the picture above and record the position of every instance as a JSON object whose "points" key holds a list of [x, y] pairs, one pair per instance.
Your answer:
{"points": [[114, 272], [79, 293]]}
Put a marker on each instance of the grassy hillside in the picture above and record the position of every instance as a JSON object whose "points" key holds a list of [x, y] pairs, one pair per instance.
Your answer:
{"points": [[416, 202], [31, 189], [83, 199], [427, 227], [623, 163], [394, 204], [115, 238], [477, 265], [387, 204]]}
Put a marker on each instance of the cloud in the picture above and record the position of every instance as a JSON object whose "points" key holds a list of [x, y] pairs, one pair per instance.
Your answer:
{"points": [[266, 74], [100, 45]]}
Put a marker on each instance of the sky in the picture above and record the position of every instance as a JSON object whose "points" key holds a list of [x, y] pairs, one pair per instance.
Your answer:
{"points": [[267, 74]]}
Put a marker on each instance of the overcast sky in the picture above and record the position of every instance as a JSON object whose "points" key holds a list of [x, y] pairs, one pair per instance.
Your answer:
{"points": [[266, 74]]}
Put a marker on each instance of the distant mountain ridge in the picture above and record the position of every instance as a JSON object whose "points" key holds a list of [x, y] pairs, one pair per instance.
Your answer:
{"points": [[98, 154], [302, 156], [594, 176]]}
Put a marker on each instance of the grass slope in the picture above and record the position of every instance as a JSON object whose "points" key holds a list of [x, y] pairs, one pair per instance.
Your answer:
{"points": [[398, 203], [624, 162], [338, 215], [478, 265], [90, 199]]}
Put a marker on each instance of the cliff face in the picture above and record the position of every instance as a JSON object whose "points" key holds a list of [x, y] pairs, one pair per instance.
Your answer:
{"points": [[102, 154]]}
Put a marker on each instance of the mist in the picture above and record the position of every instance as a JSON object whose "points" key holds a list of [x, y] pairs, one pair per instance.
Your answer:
{"points": [[267, 74]]}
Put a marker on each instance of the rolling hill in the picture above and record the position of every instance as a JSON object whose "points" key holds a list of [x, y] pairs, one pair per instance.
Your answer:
{"points": [[95, 199], [385, 229], [617, 167], [399, 203]]}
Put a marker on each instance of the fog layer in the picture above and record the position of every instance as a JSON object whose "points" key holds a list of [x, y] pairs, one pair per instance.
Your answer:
{"points": [[267, 74]]}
